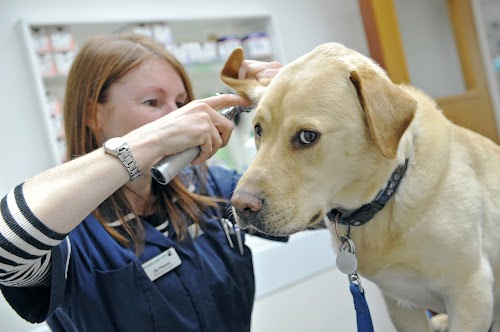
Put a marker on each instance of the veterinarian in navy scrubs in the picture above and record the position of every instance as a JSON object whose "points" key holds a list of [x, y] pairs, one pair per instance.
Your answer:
{"points": [[95, 244]]}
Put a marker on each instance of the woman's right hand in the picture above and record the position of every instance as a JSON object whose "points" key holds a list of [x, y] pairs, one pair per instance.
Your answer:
{"points": [[196, 124]]}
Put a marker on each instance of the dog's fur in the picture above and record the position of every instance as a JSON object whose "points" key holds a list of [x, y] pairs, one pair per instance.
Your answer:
{"points": [[436, 244]]}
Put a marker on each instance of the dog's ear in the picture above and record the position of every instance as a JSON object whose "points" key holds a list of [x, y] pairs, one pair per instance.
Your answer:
{"points": [[251, 89], [389, 110]]}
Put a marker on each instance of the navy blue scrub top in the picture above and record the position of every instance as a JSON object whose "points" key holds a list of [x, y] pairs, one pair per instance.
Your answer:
{"points": [[103, 287]]}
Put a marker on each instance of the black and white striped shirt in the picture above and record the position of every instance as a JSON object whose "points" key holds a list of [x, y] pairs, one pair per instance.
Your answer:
{"points": [[25, 243]]}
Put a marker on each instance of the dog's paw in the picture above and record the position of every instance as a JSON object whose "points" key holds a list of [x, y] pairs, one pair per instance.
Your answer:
{"points": [[439, 323]]}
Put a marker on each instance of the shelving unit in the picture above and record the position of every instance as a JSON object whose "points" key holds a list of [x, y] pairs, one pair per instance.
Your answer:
{"points": [[213, 32]]}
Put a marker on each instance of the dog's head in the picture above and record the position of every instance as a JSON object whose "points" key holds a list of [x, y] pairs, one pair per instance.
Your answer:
{"points": [[327, 129]]}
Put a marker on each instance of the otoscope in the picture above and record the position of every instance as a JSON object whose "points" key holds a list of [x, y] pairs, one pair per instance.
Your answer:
{"points": [[167, 168]]}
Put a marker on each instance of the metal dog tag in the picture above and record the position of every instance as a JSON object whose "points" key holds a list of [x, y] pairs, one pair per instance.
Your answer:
{"points": [[346, 261]]}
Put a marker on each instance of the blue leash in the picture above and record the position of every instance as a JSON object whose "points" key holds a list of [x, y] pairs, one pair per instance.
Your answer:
{"points": [[363, 317], [348, 264], [346, 259]]}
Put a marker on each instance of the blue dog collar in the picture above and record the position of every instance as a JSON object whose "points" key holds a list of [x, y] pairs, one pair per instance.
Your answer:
{"points": [[366, 212]]}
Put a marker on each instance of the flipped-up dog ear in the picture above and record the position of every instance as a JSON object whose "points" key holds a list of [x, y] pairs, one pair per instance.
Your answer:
{"points": [[251, 89], [389, 110]]}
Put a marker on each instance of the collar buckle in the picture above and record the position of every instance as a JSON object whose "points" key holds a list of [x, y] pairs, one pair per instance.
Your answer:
{"points": [[366, 212]]}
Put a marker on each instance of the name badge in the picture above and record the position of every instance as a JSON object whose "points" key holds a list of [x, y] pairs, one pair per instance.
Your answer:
{"points": [[161, 264]]}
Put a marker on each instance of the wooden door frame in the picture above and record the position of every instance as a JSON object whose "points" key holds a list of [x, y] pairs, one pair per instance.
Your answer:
{"points": [[386, 47], [384, 41]]}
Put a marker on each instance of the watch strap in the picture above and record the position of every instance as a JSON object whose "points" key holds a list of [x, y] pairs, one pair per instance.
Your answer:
{"points": [[119, 148], [128, 161]]}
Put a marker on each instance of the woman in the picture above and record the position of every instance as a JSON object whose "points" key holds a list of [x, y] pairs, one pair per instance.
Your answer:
{"points": [[95, 244]]}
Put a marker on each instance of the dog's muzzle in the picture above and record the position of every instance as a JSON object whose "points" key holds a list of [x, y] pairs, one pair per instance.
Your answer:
{"points": [[248, 208]]}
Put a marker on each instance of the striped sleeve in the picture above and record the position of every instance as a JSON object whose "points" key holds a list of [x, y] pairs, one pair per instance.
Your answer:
{"points": [[25, 243]]}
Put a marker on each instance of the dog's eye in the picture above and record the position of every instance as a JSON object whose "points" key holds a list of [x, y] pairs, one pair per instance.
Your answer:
{"points": [[257, 131], [307, 136]]}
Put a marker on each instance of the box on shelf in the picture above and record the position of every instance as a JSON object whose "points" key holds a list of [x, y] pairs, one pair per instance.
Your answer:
{"points": [[162, 33], [257, 45], [46, 64], [41, 40], [63, 61], [226, 44], [143, 29], [61, 39]]}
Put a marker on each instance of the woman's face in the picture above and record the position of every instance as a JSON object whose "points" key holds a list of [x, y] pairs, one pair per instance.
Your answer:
{"points": [[143, 95]]}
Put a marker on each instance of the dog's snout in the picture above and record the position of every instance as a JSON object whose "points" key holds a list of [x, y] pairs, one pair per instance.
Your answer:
{"points": [[247, 205]]}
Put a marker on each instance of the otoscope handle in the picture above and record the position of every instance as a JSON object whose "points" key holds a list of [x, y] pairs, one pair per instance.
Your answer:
{"points": [[168, 168]]}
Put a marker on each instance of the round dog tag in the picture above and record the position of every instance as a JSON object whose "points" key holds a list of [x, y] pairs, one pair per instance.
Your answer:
{"points": [[347, 262]]}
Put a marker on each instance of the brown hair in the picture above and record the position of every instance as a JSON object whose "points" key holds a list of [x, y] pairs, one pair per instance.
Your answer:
{"points": [[102, 61]]}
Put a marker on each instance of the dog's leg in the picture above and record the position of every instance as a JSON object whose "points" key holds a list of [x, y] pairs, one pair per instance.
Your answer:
{"points": [[440, 323], [471, 310], [470, 306], [406, 319]]}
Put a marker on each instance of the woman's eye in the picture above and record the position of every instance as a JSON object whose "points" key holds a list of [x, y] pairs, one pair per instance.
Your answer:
{"points": [[307, 136], [179, 104], [151, 102]]}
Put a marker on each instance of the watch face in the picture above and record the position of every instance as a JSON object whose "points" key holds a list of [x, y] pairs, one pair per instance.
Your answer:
{"points": [[114, 143]]}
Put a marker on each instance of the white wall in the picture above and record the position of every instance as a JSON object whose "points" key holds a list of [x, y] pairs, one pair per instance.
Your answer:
{"points": [[432, 43], [301, 25]]}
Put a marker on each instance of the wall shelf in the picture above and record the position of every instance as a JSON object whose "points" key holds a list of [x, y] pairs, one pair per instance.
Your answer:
{"points": [[177, 31]]}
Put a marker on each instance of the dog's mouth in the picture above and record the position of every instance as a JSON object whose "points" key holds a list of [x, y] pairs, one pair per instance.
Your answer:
{"points": [[276, 229], [315, 219]]}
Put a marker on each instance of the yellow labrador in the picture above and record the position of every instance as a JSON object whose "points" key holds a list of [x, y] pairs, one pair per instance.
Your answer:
{"points": [[334, 134]]}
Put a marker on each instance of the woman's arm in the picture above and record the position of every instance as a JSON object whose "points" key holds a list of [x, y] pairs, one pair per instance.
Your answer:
{"points": [[63, 196], [36, 216], [25, 243]]}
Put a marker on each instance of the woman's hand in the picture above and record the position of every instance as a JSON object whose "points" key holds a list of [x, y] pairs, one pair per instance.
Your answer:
{"points": [[196, 124], [258, 69]]}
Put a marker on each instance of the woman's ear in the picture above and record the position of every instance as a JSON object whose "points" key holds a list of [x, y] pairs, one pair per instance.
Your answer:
{"points": [[94, 119]]}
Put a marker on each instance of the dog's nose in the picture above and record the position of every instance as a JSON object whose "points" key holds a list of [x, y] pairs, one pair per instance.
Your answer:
{"points": [[247, 205]]}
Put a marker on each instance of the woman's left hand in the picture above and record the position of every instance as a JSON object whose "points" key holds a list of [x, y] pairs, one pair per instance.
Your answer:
{"points": [[258, 69]]}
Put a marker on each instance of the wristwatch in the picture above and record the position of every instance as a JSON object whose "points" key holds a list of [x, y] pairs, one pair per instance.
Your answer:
{"points": [[119, 148]]}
